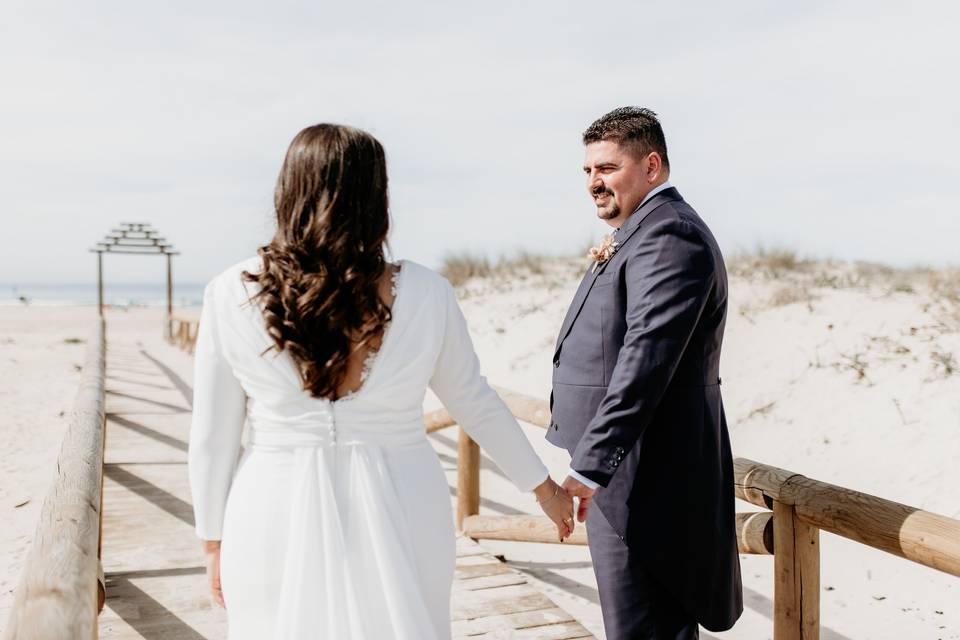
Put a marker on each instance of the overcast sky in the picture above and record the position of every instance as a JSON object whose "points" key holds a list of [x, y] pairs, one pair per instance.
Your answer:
{"points": [[830, 128]]}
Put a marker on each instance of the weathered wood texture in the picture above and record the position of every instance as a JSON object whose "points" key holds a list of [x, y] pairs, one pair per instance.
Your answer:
{"points": [[152, 560], [468, 478], [154, 568], [57, 596], [796, 577], [183, 333], [527, 408], [491, 600], [520, 529], [754, 530], [926, 538]]}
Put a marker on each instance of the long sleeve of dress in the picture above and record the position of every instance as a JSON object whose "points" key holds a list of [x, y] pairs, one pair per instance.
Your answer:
{"points": [[219, 410], [476, 407]]}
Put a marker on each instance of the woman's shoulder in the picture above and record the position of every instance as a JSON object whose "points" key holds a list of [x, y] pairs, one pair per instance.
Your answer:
{"points": [[231, 280], [424, 277]]}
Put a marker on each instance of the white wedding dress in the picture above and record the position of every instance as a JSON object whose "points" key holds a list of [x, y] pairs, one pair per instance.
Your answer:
{"points": [[336, 521]]}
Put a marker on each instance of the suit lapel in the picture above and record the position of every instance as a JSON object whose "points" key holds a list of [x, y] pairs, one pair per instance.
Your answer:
{"points": [[631, 226]]}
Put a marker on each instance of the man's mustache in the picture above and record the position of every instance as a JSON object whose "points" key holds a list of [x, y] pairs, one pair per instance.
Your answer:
{"points": [[599, 191]]}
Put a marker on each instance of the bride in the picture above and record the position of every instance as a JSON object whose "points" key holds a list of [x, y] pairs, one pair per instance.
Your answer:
{"points": [[336, 521]]}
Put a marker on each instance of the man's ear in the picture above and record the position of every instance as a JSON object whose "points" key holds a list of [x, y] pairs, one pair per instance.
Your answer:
{"points": [[654, 166]]}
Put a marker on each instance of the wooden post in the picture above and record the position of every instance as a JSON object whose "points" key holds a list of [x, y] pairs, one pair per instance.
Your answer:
{"points": [[100, 283], [169, 321], [468, 478], [796, 576]]}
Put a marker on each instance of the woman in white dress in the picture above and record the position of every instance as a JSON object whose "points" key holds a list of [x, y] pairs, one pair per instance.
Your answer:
{"points": [[336, 521]]}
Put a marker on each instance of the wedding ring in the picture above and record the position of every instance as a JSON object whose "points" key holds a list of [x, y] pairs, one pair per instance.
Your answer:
{"points": [[567, 520]]}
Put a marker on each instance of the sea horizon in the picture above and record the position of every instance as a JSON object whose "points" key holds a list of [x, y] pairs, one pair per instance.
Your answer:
{"points": [[117, 294]]}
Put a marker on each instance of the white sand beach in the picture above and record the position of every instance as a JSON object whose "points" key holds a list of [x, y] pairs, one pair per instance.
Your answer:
{"points": [[845, 373]]}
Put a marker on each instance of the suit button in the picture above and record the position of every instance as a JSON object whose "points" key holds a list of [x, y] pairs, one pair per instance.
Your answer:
{"points": [[556, 427]]}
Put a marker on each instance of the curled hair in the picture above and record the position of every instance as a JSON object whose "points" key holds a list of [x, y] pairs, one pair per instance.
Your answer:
{"points": [[630, 126], [319, 286]]}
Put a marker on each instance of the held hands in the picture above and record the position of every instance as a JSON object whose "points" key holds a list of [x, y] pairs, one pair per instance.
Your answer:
{"points": [[576, 489], [557, 505], [211, 551]]}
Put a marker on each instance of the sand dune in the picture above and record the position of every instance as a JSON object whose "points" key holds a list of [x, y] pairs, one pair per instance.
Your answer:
{"points": [[842, 372], [845, 373]]}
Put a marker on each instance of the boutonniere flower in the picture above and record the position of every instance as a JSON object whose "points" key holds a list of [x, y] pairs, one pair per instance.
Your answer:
{"points": [[603, 252]]}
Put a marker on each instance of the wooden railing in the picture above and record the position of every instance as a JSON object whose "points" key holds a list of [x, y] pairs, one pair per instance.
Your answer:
{"points": [[796, 509], [183, 333], [61, 587]]}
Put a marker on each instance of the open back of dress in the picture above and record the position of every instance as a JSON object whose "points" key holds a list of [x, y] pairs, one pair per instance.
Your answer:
{"points": [[336, 522]]}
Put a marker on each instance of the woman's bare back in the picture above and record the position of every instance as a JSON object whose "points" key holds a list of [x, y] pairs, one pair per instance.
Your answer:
{"points": [[361, 354]]}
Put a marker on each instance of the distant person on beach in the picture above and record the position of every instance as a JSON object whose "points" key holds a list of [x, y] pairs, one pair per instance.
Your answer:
{"points": [[336, 523], [636, 397]]}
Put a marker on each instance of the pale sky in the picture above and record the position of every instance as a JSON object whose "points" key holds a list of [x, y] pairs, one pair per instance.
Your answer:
{"points": [[829, 128]]}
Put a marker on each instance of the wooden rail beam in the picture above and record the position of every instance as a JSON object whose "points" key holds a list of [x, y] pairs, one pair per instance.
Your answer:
{"points": [[754, 530], [57, 596], [926, 538], [520, 529]]}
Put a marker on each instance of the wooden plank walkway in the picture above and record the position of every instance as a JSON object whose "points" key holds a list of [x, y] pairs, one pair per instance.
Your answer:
{"points": [[156, 588]]}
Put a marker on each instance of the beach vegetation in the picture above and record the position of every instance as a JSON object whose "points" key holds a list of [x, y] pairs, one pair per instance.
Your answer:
{"points": [[944, 363], [458, 268]]}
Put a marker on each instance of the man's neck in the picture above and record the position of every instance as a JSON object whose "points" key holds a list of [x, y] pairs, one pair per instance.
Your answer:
{"points": [[663, 186]]}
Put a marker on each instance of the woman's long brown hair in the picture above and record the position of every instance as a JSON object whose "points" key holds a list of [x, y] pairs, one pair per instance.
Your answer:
{"points": [[319, 287]]}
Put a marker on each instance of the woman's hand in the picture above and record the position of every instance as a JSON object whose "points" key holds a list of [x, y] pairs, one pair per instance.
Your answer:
{"points": [[557, 505], [211, 550]]}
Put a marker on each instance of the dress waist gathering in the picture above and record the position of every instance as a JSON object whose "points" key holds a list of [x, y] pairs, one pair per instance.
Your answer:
{"points": [[325, 432]]}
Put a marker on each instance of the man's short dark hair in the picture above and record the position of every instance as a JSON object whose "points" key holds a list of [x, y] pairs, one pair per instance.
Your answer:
{"points": [[628, 126]]}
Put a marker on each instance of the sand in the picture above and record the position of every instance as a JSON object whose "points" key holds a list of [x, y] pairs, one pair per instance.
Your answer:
{"points": [[839, 372]]}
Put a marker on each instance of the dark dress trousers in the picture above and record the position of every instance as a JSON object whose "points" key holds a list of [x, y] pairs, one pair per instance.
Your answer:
{"points": [[636, 401]]}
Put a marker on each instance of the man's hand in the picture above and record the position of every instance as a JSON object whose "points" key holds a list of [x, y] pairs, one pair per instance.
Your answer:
{"points": [[577, 489]]}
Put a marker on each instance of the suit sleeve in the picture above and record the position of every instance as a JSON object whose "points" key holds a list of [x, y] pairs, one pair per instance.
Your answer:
{"points": [[476, 407], [219, 411], [669, 274]]}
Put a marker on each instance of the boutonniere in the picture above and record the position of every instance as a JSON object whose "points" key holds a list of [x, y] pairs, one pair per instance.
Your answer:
{"points": [[604, 252]]}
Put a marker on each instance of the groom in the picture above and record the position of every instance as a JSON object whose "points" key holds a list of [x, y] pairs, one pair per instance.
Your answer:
{"points": [[636, 397]]}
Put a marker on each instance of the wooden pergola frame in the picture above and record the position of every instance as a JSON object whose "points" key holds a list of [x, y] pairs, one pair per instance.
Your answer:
{"points": [[137, 238]]}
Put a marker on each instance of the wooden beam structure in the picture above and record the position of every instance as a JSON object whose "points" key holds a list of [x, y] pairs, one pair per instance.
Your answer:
{"points": [[136, 238], [926, 538]]}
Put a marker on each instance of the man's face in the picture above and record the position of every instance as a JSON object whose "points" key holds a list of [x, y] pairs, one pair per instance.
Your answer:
{"points": [[617, 179]]}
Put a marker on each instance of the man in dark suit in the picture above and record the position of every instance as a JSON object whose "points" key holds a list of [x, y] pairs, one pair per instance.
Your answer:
{"points": [[636, 397]]}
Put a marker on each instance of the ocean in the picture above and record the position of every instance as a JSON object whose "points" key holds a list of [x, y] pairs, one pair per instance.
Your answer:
{"points": [[185, 294]]}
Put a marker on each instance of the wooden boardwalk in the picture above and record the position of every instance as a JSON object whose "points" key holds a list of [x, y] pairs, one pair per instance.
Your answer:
{"points": [[156, 588]]}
